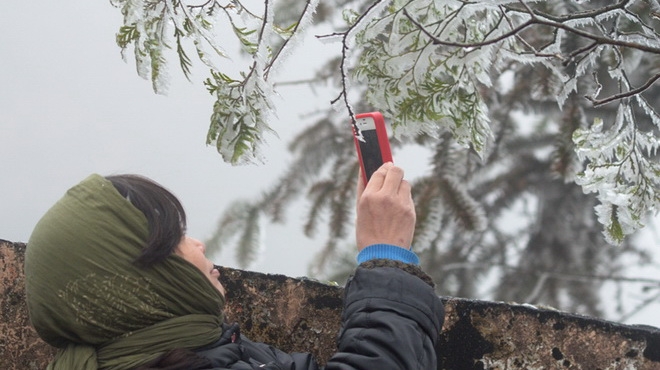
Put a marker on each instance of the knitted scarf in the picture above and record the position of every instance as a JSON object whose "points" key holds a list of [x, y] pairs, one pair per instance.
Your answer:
{"points": [[87, 298]]}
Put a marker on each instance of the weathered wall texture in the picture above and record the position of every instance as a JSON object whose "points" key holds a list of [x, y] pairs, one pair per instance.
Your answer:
{"points": [[20, 347], [303, 315]]}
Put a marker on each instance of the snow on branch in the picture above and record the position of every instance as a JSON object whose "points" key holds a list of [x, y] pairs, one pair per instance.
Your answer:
{"points": [[468, 38], [240, 114], [429, 66]]}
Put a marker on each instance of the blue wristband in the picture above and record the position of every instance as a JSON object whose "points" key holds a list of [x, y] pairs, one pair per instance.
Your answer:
{"points": [[387, 251]]}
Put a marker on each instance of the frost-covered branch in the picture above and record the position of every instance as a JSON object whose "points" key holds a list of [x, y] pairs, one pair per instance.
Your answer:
{"points": [[243, 106], [470, 45], [627, 94], [294, 31], [536, 20], [579, 44], [431, 68], [359, 21]]}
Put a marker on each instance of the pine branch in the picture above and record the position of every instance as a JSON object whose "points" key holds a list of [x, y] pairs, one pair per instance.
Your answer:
{"points": [[320, 194], [467, 210]]}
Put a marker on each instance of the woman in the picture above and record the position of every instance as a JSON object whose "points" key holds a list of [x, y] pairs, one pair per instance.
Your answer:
{"points": [[113, 282]]}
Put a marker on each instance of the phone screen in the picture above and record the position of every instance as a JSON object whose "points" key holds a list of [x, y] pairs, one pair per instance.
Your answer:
{"points": [[369, 148]]}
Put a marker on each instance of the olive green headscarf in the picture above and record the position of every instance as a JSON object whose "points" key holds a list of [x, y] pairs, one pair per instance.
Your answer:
{"points": [[86, 297]]}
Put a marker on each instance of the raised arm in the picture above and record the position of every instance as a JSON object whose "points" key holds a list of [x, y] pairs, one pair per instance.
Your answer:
{"points": [[392, 316]]}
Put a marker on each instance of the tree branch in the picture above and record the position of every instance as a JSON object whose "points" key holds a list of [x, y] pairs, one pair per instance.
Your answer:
{"points": [[437, 41], [599, 39], [629, 93], [286, 42], [580, 15], [342, 67], [535, 20]]}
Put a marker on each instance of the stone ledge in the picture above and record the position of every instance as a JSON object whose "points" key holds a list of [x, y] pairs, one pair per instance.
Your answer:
{"points": [[303, 315]]}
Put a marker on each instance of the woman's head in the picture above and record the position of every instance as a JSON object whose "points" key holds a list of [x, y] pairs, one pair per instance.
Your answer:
{"points": [[83, 285], [166, 218]]}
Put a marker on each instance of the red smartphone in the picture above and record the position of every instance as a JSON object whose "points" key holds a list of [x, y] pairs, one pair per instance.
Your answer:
{"points": [[374, 147]]}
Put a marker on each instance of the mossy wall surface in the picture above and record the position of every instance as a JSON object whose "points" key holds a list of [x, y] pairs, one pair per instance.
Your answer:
{"points": [[304, 315]]}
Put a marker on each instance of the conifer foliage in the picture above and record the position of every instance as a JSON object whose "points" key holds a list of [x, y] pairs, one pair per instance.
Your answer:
{"points": [[540, 117]]}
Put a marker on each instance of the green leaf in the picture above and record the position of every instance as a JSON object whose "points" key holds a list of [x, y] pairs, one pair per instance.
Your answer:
{"points": [[127, 35], [614, 230], [286, 31], [184, 60]]}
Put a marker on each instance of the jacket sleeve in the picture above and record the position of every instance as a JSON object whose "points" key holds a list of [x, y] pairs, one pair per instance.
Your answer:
{"points": [[391, 319]]}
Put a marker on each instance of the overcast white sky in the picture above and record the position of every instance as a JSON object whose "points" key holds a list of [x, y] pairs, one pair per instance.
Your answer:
{"points": [[70, 106]]}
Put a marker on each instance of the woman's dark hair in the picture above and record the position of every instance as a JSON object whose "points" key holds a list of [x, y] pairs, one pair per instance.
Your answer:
{"points": [[166, 218]]}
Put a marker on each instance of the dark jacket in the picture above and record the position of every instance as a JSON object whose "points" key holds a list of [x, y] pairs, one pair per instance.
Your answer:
{"points": [[391, 320]]}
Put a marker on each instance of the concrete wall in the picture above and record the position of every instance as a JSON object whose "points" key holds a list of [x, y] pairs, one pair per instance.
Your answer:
{"points": [[303, 315]]}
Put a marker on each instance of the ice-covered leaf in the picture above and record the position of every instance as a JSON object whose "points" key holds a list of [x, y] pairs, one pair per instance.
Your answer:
{"points": [[622, 170]]}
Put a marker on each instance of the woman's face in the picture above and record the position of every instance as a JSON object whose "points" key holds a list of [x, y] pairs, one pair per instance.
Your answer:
{"points": [[193, 251]]}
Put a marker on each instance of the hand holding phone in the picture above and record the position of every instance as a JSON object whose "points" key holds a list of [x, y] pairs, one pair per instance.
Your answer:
{"points": [[373, 147], [385, 210]]}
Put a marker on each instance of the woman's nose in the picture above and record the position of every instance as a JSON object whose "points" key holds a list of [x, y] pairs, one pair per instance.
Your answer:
{"points": [[200, 244]]}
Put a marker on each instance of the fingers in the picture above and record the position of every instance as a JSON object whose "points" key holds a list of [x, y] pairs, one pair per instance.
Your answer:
{"points": [[393, 180], [387, 178], [360, 184], [378, 177], [405, 190], [385, 209]]}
